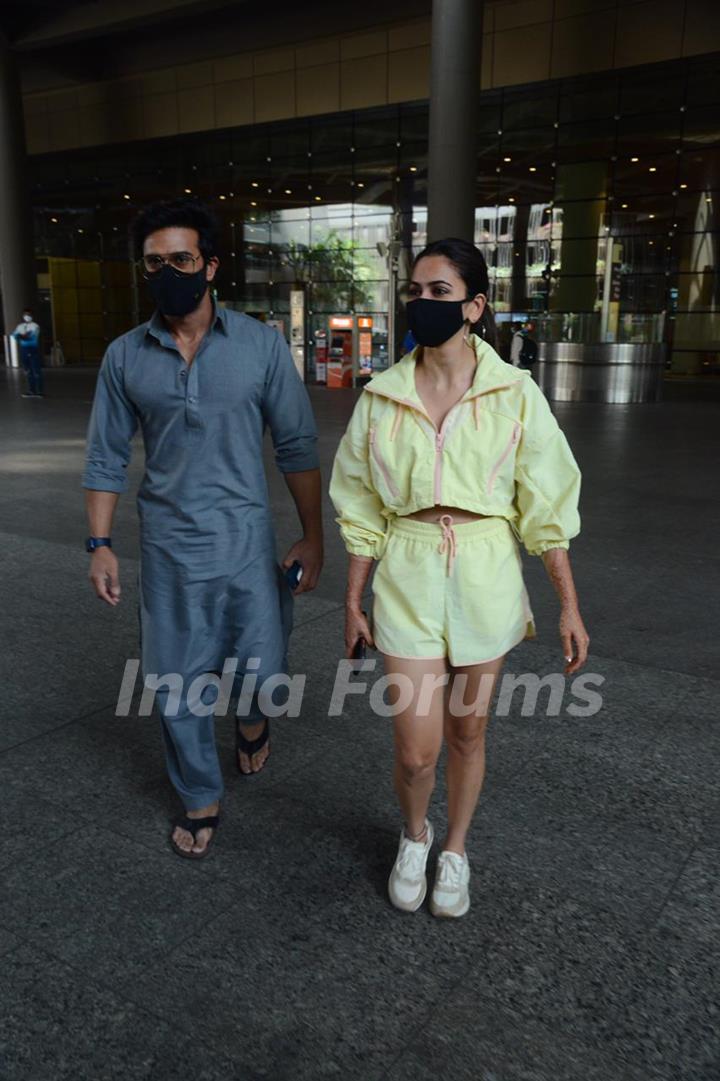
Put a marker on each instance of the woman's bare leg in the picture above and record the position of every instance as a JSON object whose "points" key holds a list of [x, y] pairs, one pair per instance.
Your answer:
{"points": [[418, 733], [465, 738]]}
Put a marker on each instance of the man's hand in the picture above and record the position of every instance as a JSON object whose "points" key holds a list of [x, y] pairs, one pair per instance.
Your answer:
{"points": [[105, 576], [309, 554]]}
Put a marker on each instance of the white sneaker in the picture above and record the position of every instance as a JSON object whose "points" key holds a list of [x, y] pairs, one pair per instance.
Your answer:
{"points": [[408, 883], [450, 895]]}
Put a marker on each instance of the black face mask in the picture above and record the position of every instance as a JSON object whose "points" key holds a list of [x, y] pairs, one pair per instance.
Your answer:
{"points": [[176, 293], [434, 321]]}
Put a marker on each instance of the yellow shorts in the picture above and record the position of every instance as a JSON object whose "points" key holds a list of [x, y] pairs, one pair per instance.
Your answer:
{"points": [[446, 590]]}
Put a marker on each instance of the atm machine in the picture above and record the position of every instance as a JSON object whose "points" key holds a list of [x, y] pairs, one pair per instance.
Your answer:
{"points": [[349, 350]]}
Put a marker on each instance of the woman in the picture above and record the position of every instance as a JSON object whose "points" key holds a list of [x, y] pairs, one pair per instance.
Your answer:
{"points": [[449, 455]]}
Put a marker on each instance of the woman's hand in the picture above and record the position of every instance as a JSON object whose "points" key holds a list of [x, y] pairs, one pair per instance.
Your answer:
{"points": [[574, 639], [356, 626]]}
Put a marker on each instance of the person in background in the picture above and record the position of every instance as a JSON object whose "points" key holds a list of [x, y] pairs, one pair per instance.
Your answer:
{"points": [[408, 343], [27, 335], [529, 350], [516, 345]]}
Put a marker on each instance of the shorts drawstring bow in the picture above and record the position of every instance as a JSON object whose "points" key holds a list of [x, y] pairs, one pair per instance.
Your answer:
{"points": [[449, 542]]}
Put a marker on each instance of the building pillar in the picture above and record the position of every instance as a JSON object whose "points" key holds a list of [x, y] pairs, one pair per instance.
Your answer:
{"points": [[581, 191], [18, 278], [518, 293], [454, 97]]}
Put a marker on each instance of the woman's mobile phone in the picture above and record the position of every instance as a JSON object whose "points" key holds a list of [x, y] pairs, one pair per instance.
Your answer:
{"points": [[293, 575], [359, 652]]}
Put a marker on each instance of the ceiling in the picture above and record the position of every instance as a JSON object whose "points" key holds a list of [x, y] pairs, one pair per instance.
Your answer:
{"points": [[61, 42], [42, 24]]}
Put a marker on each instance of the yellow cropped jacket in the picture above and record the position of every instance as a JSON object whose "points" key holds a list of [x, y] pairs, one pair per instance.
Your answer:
{"points": [[499, 452]]}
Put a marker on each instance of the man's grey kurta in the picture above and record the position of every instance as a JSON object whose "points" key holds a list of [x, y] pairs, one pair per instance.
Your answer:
{"points": [[210, 586]]}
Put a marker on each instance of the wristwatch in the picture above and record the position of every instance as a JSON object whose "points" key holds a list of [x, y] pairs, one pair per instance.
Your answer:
{"points": [[97, 542]]}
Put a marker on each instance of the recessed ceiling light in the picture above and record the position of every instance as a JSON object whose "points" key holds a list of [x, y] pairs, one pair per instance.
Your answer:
{"points": [[253, 204], [683, 185], [254, 184], [634, 159], [222, 196], [533, 169], [651, 215], [288, 191], [188, 191], [507, 159], [511, 199], [624, 206], [652, 169], [54, 219], [413, 168], [126, 196], [361, 184], [317, 199]]}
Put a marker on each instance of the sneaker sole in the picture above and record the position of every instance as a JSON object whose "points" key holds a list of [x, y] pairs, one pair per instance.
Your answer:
{"points": [[446, 914], [406, 908]]}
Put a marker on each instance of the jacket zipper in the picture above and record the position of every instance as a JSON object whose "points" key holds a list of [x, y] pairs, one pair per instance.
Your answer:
{"points": [[498, 464], [440, 437], [439, 442], [382, 466]]}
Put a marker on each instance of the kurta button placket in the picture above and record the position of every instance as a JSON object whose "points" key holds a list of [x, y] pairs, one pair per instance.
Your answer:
{"points": [[192, 411]]}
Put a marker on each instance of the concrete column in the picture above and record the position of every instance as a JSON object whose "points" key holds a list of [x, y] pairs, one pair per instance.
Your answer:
{"points": [[454, 97], [18, 279], [518, 296], [581, 190]]}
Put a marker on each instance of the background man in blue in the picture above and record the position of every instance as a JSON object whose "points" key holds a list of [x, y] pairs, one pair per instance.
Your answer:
{"points": [[202, 383], [27, 335]]}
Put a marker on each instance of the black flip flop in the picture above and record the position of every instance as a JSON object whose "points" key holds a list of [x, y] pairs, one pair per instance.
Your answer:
{"points": [[192, 825], [250, 747]]}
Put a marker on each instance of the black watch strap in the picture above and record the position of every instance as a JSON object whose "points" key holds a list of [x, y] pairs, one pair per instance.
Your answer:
{"points": [[97, 542]]}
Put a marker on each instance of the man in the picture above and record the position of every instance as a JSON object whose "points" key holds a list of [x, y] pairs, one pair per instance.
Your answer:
{"points": [[516, 345], [202, 383], [529, 350], [27, 335]]}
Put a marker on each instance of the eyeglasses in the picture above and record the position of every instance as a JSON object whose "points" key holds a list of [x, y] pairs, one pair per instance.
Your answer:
{"points": [[182, 261]]}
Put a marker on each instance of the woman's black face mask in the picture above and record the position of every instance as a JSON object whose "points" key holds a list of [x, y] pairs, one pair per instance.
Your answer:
{"points": [[433, 322], [176, 293]]}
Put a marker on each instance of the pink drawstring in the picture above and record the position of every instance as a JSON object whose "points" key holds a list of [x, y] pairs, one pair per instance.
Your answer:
{"points": [[396, 422], [448, 543]]}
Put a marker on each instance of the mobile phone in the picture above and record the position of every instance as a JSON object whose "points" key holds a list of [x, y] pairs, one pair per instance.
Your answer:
{"points": [[293, 575], [359, 652]]}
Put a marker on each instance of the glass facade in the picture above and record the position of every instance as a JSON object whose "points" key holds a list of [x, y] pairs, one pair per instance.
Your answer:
{"points": [[596, 208]]}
